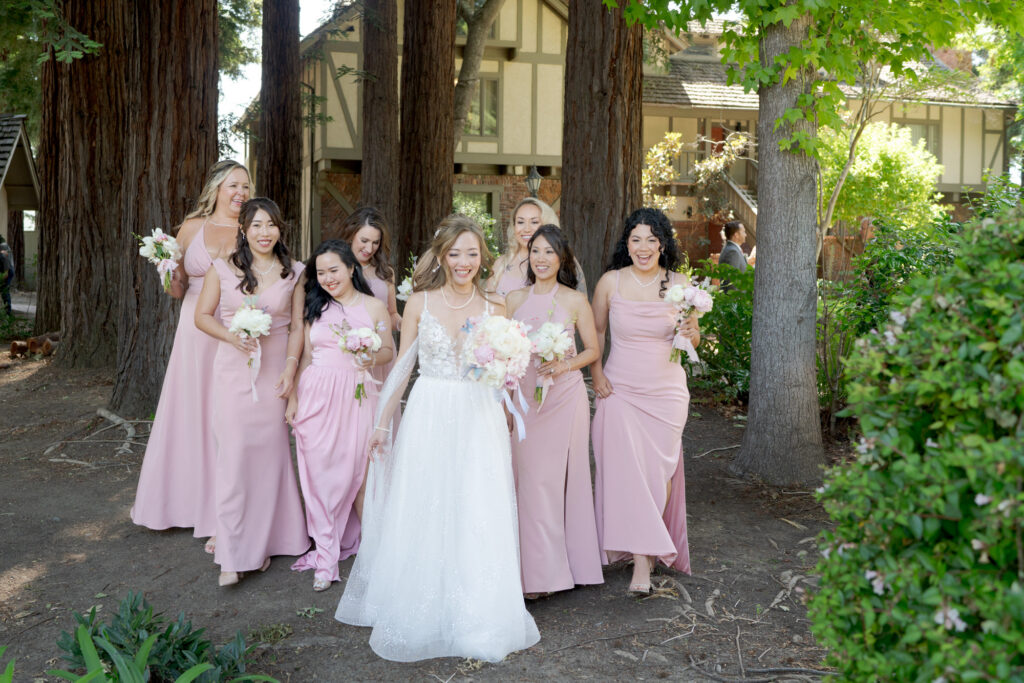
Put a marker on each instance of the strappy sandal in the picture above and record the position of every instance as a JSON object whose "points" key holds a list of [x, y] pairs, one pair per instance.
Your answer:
{"points": [[211, 545], [231, 578], [320, 585]]}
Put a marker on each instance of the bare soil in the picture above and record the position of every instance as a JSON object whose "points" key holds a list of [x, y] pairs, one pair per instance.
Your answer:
{"points": [[67, 544]]}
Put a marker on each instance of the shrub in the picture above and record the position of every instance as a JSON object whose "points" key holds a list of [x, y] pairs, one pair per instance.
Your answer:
{"points": [[921, 575], [724, 367], [176, 647]]}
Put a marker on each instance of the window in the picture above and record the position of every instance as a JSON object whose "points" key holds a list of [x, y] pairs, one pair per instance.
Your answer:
{"points": [[482, 119], [929, 132]]}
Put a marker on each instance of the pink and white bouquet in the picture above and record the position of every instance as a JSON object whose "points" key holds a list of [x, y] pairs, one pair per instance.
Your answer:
{"points": [[163, 251], [360, 342], [550, 342], [251, 322], [497, 352], [687, 299]]}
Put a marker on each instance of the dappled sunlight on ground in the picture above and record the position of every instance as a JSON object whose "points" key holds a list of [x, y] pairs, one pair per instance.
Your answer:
{"points": [[14, 580]]}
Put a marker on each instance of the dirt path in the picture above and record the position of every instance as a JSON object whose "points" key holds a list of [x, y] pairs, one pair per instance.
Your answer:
{"points": [[67, 544]]}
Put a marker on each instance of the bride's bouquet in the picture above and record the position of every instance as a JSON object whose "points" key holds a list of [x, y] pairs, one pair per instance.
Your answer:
{"points": [[497, 352], [550, 342], [251, 322], [360, 342], [163, 251], [687, 300]]}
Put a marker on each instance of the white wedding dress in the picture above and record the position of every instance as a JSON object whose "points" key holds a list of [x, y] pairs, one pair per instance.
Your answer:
{"points": [[437, 573]]}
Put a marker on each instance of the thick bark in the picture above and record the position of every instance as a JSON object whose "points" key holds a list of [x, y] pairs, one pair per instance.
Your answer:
{"points": [[48, 308], [427, 143], [380, 108], [16, 238], [175, 51], [782, 443], [279, 148], [478, 25], [602, 150]]}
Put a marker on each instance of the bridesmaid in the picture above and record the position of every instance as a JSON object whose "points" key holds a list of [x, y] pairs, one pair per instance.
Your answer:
{"points": [[332, 428], [176, 484], [259, 513], [557, 532], [509, 272], [642, 403]]}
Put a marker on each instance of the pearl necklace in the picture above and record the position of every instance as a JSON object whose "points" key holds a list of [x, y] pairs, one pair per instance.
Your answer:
{"points": [[644, 284], [221, 225], [263, 273], [444, 296]]}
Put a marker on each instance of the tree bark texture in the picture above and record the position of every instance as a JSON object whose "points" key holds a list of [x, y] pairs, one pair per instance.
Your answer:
{"points": [[380, 109], [279, 147], [16, 238], [427, 142], [782, 443], [478, 25], [602, 151], [48, 308], [175, 62]]}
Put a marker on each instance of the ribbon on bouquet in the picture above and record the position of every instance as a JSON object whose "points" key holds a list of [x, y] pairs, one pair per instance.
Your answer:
{"points": [[364, 377], [681, 343], [544, 382], [510, 403], [254, 369]]}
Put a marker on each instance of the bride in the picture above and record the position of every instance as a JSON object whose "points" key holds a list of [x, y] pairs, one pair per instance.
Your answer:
{"points": [[437, 574]]}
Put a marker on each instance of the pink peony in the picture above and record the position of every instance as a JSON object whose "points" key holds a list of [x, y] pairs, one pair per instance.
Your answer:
{"points": [[484, 354], [352, 343]]}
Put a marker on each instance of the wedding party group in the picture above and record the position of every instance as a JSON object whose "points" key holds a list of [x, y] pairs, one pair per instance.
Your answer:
{"points": [[464, 497]]}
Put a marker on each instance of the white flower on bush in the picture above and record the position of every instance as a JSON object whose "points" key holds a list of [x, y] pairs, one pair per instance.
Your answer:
{"points": [[930, 443], [949, 618], [898, 318], [1004, 507], [982, 499], [877, 581], [890, 338]]}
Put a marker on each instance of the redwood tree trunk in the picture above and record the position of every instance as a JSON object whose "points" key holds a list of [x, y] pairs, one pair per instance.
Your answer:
{"points": [[16, 238], [427, 144], [170, 148], [48, 308], [602, 150], [380, 110], [279, 148], [782, 442]]}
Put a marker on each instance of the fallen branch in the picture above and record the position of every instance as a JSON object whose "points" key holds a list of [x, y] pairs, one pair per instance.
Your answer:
{"points": [[792, 670], [739, 653], [595, 640], [715, 450], [129, 429]]}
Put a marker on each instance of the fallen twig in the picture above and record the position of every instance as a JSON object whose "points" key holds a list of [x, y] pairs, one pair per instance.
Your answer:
{"points": [[792, 670], [129, 428], [594, 640], [715, 450]]}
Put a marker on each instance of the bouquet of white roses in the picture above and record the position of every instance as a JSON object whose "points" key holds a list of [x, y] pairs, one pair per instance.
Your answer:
{"points": [[163, 251], [251, 322], [550, 342], [497, 352], [360, 342], [687, 299]]}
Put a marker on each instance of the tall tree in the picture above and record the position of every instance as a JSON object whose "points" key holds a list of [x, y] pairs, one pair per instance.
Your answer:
{"points": [[279, 145], [771, 56], [479, 16], [380, 108], [427, 143], [48, 220], [602, 150]]}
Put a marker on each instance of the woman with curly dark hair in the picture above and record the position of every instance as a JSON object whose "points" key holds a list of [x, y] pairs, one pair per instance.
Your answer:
{"points": [[642, 402]]}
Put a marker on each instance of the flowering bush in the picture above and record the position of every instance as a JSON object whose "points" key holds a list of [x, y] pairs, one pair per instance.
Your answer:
{"points": [[921, 575]]}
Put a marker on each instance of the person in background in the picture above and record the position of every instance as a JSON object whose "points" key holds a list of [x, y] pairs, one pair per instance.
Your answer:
{"points": [[6, 275]]}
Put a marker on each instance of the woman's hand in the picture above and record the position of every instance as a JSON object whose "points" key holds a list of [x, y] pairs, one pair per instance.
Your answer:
{"points": [[376, 443], [285, 382], [289, 412], [602, 387], [691, 328], [553, 368], [246, 345]]}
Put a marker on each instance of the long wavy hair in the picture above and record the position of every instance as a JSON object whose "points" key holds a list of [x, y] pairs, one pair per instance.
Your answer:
{"points": [[661, 228], [369, 216], [242, 258], [431, 271], [318, 298], [566, 261], [547, 217], [215, 177]]}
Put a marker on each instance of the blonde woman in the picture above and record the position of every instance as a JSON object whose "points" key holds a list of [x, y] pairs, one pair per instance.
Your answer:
{"points": [[437, 574], [176, 482], [509, 272]]}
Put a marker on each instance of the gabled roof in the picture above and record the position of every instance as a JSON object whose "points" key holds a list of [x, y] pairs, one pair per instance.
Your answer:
{"points": [[17, 168]]}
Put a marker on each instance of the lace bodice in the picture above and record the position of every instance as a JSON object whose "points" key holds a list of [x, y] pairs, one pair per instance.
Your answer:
{"points": [[438, 354]]}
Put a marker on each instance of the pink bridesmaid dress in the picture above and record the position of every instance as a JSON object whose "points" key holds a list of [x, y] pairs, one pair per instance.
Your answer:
{"points": [[557, 532], [637, 435], [259, 513], [332, 430], [380, 291], [510, 281], [176, 484]]}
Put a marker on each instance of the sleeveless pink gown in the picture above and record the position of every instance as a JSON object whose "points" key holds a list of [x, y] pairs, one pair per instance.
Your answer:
{"points": [[557, 531], [637, 435], [332, 430], [380, 291], [510, 281], [259, 513], [176, 483]]}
